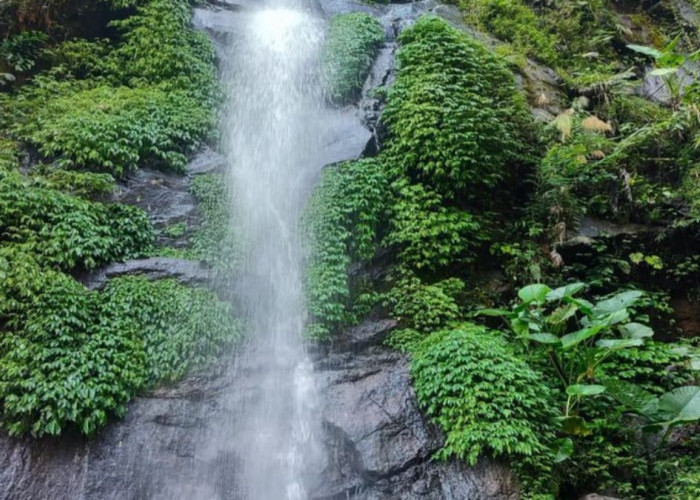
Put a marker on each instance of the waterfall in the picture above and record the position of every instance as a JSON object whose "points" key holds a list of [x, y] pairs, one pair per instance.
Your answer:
{"points": [[273, 128]]}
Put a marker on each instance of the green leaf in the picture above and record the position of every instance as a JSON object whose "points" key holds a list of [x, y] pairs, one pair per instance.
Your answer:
{"points": [[643, 49], [579, 336], [565, 291], [534, 293], [544, 338], [617, 303], [585, 390], [563, 448], [575, 426], [633, 397], [681, 404], [493, 312], [663, 71], [616, 344], [636, 331]]}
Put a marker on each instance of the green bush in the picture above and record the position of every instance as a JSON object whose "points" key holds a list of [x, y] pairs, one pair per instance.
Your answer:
{"points": [[342, 223], [151, 98], [425, 307], [66, 231], [217, 239], [180, 328], [455, 119], [114, 129], [427, 233], [487, 400], [352, 42], [71, 358], [513, 22]]}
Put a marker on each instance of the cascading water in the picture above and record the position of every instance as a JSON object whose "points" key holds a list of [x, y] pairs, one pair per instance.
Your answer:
{"points": [[274, 128]]}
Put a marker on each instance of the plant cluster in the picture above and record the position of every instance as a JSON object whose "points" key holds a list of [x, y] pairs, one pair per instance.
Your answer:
{"points": [[216, 240], [482, 394], [352, 42], [148, 98], [72, 358], [342, 223], [455, 124]]}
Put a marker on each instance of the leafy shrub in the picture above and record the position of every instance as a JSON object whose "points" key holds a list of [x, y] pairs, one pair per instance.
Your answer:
{"points": [[74, 358], [347, 57], [487, 400], [160, 48], [114, 129], [151, 99], [342, 223], [181, 328], [455, 119], [61, 361], [429, 234], [66, 231], [513, 22], [425, 307], [216, 240]]}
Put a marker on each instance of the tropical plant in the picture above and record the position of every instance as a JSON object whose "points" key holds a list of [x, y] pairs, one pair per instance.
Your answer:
{"points": [[575, 336]]}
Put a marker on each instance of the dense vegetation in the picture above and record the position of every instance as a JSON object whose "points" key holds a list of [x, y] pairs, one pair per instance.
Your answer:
{"points": [[352, 42], [80, 108], [587, 385]]}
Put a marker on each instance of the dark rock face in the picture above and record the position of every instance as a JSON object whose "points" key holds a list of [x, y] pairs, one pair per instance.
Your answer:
{"points": [[185, 271], [378, 444]]}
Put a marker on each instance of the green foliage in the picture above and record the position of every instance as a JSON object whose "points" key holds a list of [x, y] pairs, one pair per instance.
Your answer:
{"points": [[61, 367], [342, 224], [84, 184], [66, 231], [74, 358], [113, 129], [216, 239], [487, 400], [575, 335], [21, 51], [352, 42], [181, 328], [423, 307], [513, 22], [455, 119], [150, 99], [428, 234]]}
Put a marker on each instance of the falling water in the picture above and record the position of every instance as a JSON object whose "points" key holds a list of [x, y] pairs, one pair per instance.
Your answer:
{"points": [[274, 127]]}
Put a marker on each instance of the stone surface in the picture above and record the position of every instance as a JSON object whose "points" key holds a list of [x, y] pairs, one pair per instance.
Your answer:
{"points": [[185, 271]]}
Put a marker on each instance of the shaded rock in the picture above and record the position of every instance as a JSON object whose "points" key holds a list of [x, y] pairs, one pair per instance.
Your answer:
{"points": [[379, 443], [347, 137], [687, 315], [688, 13], [591, 228], [187, 272], [165, 197], [205, 162], [655, 89]]}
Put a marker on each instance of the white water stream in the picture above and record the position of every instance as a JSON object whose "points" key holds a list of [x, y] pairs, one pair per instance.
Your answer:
{"points": [[273, 131]]}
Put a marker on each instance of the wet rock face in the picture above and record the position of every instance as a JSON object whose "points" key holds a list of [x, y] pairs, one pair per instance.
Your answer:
{"points": [[378, 443]]}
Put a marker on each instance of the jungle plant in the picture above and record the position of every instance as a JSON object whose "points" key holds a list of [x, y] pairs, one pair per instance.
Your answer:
{"points": [[351, 44], [575, 336], [472, 383], [456, 122], [670, 67]]}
